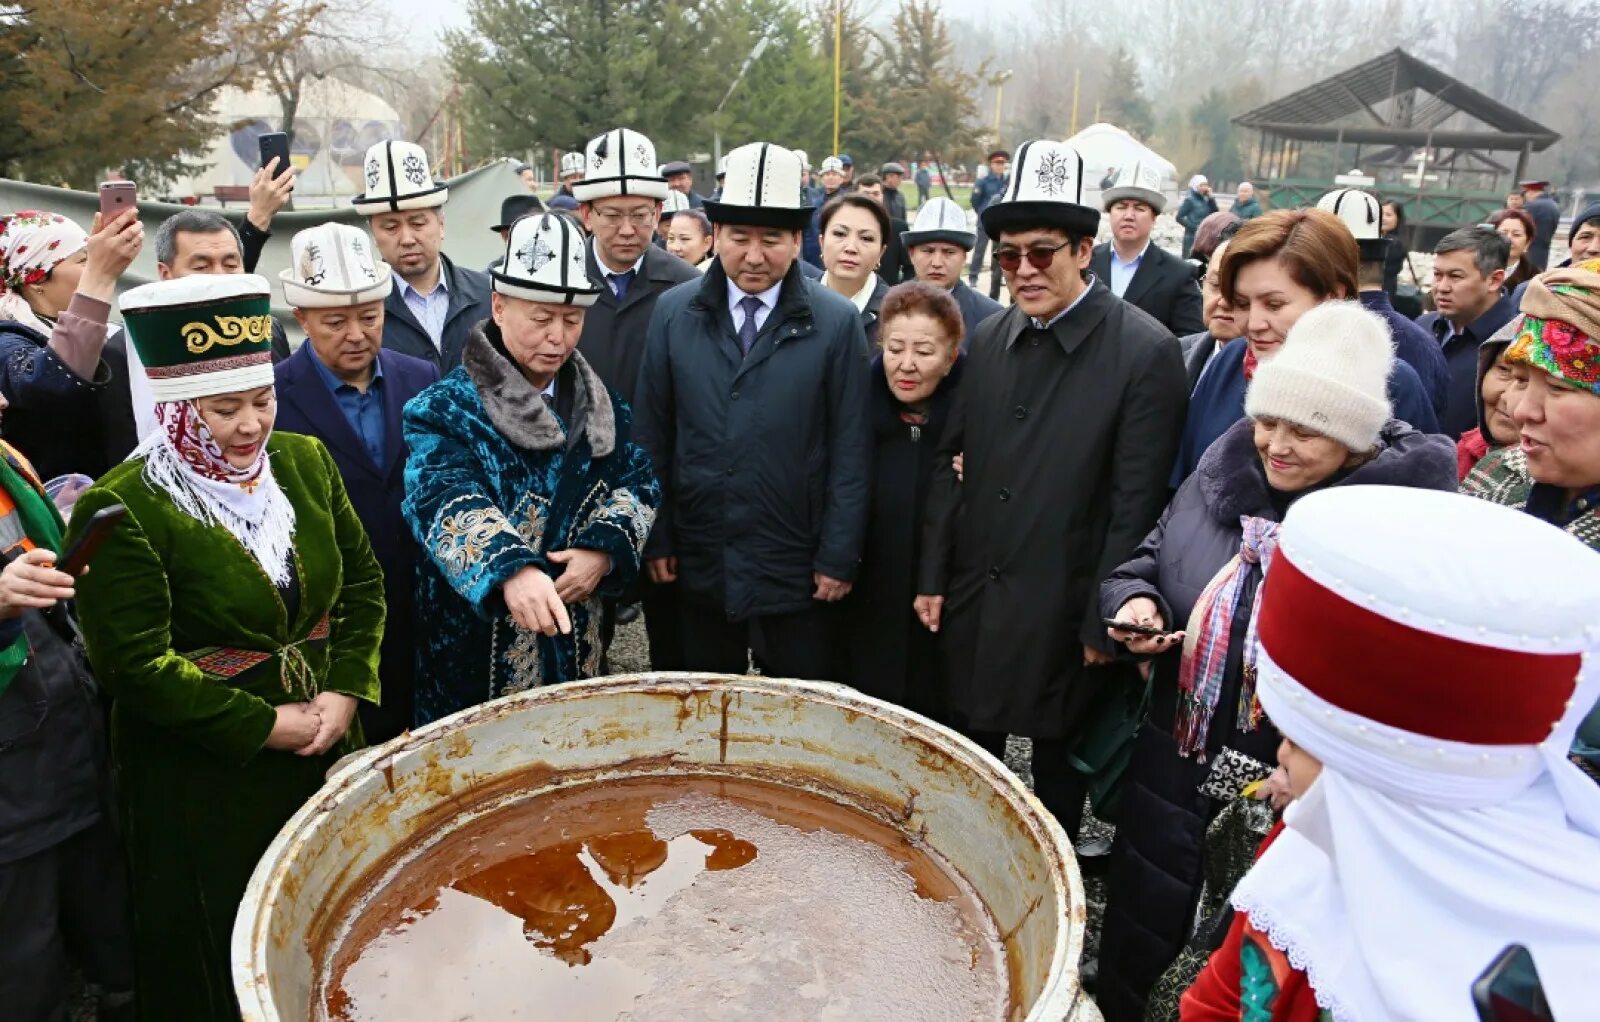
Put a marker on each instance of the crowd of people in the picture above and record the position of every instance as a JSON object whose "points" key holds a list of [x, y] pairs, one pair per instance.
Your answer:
{"points": [[1246, 552]]}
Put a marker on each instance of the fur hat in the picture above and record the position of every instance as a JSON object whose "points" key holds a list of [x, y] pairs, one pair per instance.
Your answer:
{"points": [[1140, 180], [398, 179], [620, 162], [1362, 213], [762, 189], [332, 265], [1045, 190], [545, 262], [1332, 376], [940, 219]]}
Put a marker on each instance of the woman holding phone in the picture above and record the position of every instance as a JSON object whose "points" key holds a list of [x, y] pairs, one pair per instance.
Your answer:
{"points": [[233, 616], [1317, 415], [56, 285]]}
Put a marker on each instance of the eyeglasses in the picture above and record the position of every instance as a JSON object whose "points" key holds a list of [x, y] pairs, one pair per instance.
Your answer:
{"points": [[639, 218], [1010, 259]]}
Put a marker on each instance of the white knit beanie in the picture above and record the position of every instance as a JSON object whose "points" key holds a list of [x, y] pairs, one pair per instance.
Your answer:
{"points": [[1331, 376]]}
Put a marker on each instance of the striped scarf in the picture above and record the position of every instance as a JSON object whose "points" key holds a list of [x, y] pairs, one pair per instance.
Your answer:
{"points": [[1205, 647], [27, 521]]}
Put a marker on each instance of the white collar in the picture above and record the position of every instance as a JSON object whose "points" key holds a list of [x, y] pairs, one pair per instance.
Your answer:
{"points": [[862, 297], [608, 271], [769, 297]]}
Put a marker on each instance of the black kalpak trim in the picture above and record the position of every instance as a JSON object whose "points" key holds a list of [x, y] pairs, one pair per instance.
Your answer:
{"points": [[1016, 174], [761, 172], [394, 186]]}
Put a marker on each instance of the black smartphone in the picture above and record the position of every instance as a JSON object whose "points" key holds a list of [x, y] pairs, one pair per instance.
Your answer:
{"points": [[275, 143], [1509, 989], [99, 529], [1129, 626]]}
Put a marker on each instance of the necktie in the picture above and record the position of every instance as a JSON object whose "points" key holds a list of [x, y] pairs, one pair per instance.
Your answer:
{"points": [[747, 330], [620, 282]]}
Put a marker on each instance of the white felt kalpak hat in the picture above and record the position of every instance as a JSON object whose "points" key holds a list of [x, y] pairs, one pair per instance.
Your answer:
{"points": [[1045, 190], [1362, 213], [331, 266], [675, 202], [762, 189], [620, 162], [572, 163], [545, 262], [940, 219], [398, 179], [1139, 179]]}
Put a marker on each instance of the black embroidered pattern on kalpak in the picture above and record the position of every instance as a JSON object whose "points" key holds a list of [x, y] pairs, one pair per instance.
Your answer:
{"points": [[1053, 174], [414, 170]]}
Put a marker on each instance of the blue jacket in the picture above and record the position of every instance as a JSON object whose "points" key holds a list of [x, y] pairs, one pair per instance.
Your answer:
{"points": [[1195, 208], [496, 481], [764, 459], [469, 306], [1415, 347], [988, 188], [1461, 362], [305, 405], [811, 244], [1218, 403]]}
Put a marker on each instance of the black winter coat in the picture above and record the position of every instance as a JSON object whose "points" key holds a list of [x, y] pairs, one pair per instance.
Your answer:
{"points": [[1068, 433], [469, 306], [975, 308], [1161, 818], [614, 328], [889, 654], [1163, 285], [764, 459]]}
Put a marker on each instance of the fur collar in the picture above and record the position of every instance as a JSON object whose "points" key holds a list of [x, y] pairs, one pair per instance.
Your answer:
{"points": [[1233, 483], [517, 409]]}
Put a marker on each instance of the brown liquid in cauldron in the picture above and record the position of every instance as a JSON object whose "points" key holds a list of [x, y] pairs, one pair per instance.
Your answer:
{"points": [[680, 898]]}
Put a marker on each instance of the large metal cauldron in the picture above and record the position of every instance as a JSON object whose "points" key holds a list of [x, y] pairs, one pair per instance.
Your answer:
{"points": [[823, 738]]}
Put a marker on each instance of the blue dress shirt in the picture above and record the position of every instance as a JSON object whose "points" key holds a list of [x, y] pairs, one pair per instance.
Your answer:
{"points": [[364, 411]]}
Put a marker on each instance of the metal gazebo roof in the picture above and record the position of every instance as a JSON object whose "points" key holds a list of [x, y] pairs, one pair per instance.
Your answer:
{"points": [[1421, 99]]}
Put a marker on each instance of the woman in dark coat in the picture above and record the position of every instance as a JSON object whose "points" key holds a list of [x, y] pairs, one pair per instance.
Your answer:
{"points": [[889, 653], [1201, 567], [855, 236]]}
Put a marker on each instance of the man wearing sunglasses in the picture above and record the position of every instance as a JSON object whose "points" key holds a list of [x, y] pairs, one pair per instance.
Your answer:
{"points": [[1071, 408], [620, 201]]}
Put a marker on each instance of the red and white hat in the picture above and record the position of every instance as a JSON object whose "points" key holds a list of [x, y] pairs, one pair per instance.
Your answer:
{"points": [[1436, 653]]}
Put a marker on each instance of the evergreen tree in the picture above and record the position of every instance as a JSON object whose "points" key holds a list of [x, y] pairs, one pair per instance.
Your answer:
{"points": [[1125, 104], [928, 103]]}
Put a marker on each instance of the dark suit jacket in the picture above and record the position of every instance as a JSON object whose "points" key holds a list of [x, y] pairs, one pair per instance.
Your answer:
{"points": [[1163, 285], [305, 405], [469, 306], [1197, 352], [613, 328]]}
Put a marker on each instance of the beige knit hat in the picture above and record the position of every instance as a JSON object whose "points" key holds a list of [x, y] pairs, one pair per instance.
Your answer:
{"points": [[1332, 376]]}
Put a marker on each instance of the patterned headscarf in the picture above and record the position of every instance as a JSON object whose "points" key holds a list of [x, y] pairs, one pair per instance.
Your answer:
{"points": [[31, 244], [1560, 331]]}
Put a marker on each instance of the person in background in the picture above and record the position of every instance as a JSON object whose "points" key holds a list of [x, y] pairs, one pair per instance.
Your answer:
{"points": [[896, 264], [1278, 267], [1392, 221], [671, 206], [1139, 272], [435, 304], [1546, 215], [528, 177], [1317, 416], [1198, 204], [512, 208], [1413, 345], [1469, 267], [753, 405], [621, 199], [924, 179], [233, 617], [893, 175], [1436, 819], [56, 286], [270, 191], [938, 244], [915, 376], [1013, 554], [984, 191], [849, 166], [63, 881], [855, 230], [1246, 206], [572, 169], [833, 185], [524, 486], [1583, 244], [690, 238], [1517, 227], [680, 178], [1221, 324], [1496, 428], [345, 389], [1514, 200], [810, 187]]}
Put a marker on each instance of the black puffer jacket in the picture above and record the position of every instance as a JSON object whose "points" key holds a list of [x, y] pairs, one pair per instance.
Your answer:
{"points": [[1156, 860]]}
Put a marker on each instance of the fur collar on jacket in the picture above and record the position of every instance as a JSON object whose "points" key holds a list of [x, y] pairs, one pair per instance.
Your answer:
{"points": [[517, 409], [1232, 481]]}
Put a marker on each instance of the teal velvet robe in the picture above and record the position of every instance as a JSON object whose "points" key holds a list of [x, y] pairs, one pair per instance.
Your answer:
{"points": [[201, 797]]}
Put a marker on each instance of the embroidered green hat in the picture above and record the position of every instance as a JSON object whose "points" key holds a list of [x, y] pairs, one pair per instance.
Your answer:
{"points": [[201, 335]]}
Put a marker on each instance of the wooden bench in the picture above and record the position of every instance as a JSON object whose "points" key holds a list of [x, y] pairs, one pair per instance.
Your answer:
{"points": [[231, 193]]}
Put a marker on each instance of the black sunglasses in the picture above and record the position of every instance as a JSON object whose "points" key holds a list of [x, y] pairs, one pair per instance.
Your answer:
{"points": [[1010, 259]]}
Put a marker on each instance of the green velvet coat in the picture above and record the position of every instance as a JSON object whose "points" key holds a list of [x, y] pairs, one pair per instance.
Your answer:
{"points": [[201, 796]]}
